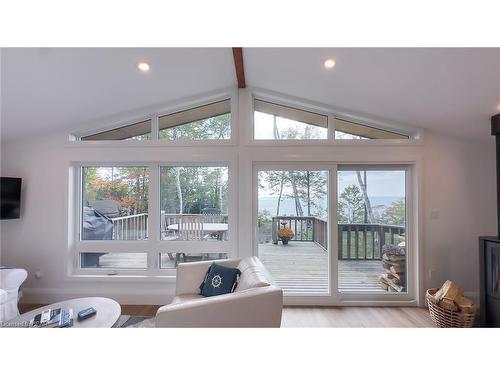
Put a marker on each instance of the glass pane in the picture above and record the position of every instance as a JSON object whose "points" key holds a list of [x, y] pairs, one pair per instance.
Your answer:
{"points": [[372, 230], [115, 203], [345, 129], [171, 260], [292, 229], [114, 260], [194, 203], [212, 121], [272, 121], [139, 131]]}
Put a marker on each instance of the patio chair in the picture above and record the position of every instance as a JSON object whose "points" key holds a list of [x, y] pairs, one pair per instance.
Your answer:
{"points": [[213, 215], [166, 234], [190, 229]]}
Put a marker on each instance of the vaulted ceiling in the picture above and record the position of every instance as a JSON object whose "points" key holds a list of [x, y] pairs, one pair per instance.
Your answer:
{"points": [[449, 90]]}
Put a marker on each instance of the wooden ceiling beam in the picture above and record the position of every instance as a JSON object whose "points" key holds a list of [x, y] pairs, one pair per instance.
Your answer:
{"points": [[238, 65]]}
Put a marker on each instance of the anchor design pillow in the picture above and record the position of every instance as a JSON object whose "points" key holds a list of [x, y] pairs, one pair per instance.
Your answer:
{"points": [[219, 280]]}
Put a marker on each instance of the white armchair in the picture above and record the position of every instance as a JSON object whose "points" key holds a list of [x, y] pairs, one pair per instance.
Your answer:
{"points": [[256, 302], [10, 281]]}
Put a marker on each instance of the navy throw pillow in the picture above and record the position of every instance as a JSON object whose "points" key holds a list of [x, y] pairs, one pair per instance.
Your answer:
{"points": [[219, 280]]}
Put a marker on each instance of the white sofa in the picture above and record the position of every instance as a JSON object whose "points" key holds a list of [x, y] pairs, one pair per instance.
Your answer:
{"points": [[10, 282], [256, 302]]}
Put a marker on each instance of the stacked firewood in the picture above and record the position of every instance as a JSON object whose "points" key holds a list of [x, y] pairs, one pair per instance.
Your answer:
{"points": [[394, 264], [451, 297]]}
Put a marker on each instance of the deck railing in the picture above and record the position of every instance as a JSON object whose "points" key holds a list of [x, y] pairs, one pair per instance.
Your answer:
{"points": [[135, 227], [355, 241], [132, 227], [365, 241], [305, 228]]}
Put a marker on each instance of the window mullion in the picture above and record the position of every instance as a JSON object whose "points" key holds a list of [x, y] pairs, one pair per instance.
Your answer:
{"points": [[153, 215], [154, 127]]}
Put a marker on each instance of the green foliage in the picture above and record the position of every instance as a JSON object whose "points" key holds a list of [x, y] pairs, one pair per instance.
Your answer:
{"points": [[395, 214], [218, 127], [128, 186], [200, 187], [351, 207], [263, 217]]}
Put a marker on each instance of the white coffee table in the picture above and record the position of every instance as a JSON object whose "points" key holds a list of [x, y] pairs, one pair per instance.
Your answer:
{"points": [[108, 312]]}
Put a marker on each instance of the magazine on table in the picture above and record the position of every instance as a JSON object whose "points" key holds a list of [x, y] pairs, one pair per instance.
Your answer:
{"points": [[59, 317]]}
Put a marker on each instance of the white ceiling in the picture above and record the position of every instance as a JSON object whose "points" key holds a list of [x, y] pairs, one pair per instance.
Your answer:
{"points": [[48, 89], [450, 90]]}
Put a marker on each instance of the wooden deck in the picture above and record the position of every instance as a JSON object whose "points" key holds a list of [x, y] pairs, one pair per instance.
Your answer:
{"points": [[299, 267], [302, 267]]}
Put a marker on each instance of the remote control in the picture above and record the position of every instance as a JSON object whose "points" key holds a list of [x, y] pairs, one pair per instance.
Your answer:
{"points": [[87, 313]]}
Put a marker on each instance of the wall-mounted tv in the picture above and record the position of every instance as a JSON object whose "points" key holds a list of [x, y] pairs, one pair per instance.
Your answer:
{"points": [[10, 198]]}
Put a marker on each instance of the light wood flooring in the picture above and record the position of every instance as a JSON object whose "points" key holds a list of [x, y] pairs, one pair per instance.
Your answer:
{"points": [[321, 317]]}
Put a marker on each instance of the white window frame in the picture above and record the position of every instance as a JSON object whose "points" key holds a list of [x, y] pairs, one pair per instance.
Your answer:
{"points": [[415, 134], [153, 245], [410, 295], [241, 152], [154, 114], [294, 298], [334, 295]]}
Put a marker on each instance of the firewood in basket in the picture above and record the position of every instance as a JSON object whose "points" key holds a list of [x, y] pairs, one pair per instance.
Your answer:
{"points": [[465, 305], [449, 290], [448, 304]]}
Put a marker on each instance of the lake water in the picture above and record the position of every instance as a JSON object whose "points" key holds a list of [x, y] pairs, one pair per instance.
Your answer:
{"points": [[287, 207]]}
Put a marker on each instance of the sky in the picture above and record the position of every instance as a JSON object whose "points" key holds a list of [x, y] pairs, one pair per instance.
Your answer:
{"points": [[380, 183]]}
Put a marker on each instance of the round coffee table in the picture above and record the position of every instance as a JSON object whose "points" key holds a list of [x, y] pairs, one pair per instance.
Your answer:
{"points": [[108, 312]]}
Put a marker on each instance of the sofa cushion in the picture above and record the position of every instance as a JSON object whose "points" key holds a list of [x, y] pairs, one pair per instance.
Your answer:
{"points": [[250, 262], [219, 280], [253, 274]]}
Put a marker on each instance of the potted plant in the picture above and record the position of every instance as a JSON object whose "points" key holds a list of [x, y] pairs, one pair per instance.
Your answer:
{"points": [[285, 234]]}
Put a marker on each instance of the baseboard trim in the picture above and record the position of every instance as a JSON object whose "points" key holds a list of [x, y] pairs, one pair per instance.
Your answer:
{"points": [[131, 297]]}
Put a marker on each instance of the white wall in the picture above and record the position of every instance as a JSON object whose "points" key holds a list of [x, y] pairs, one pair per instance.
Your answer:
{"points": [[458, 205]]}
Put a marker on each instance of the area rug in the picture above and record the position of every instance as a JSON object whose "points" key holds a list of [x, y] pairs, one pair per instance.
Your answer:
{"points": [[133, 321]]}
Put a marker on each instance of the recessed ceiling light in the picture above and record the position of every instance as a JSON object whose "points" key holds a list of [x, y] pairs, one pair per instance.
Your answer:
{"points": [[330, 63], [143, 66]]}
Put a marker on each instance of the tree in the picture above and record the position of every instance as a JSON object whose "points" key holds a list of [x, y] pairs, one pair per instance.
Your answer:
{"points": [[217, 127], [351, 207], [128, 186], [394, 214], [364, 190]]}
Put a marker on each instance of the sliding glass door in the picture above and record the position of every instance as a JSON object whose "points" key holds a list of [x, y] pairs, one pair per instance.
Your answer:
{"points": [[292, 228], [372, 229], [335, 233]]}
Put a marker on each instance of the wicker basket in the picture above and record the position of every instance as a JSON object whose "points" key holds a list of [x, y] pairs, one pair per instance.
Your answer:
{"points": [[444, 318]]}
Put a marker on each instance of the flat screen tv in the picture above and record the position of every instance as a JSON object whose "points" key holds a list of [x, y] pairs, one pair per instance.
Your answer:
{"points": [[10, 198]]}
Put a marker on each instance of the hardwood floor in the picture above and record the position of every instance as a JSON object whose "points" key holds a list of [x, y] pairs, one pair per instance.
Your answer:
{"points": [[356, 317], [321, 317]]}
